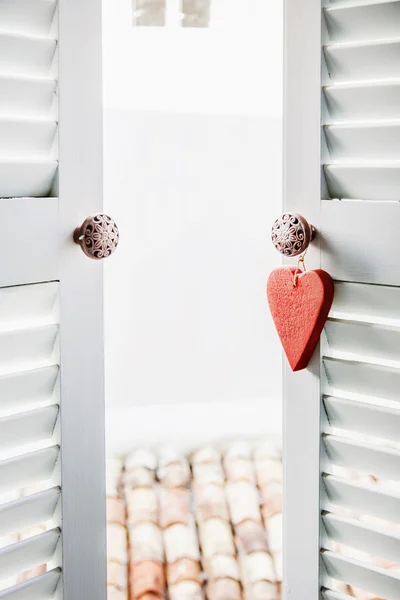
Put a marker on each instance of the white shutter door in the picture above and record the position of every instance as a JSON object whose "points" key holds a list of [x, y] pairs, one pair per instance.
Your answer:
{"points": [[52, 492], [342, 531]]}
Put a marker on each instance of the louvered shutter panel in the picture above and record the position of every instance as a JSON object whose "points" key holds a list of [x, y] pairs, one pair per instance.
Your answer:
{"points": [[29, 440], [29, 354], [348, 434], [52, 490], [28, 104]]}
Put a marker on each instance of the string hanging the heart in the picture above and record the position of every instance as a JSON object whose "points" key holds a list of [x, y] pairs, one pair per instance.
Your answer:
{"points": [[298, 270]]}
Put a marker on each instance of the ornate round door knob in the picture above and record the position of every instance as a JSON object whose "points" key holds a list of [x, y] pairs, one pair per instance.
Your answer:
{"points": [[98, 236], [291, 234]]}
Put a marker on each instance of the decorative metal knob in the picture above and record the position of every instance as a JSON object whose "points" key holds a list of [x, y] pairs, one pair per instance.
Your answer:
{"points": [[291, 234], [98, 236]]}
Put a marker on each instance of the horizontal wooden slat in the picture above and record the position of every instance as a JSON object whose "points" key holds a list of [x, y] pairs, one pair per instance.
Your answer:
{"points": [[351, 3], [361, 62], [355, 534], [27, 389], [385, 584], [351, 250], [362, 499], [27, 98], [29, 56], [375, 303], [28, 305], [367, 458], [30, 468], [363, 23], [38, 232], [37, 588], [26, 348], [361, 378], [363, 182], [32, 552], [363, 101], [28, 511], [363, 418], [22, 138], [33, 17], [331, 595], [26, 178], [26, 428], [380, 342], [364, 141]]}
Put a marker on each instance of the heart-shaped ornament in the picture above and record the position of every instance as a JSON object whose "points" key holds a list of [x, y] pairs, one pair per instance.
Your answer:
{"points": [[299, 311]]}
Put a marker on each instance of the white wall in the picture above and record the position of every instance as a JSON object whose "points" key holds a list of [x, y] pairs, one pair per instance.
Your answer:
{"points": [[193, 179]]}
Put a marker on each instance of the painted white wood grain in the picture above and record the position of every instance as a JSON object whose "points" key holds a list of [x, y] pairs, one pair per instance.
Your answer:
{"points": [[26, 177], [29, 468], [358, 181], [27, 389], [31, 17], [368, 419], [377, 581], [28, 511], [81, 303], [362, 499], [353, 533], [26, 139], [364, 141], [32, 552], [366, 340], [302, 183], [351, 248], [39, 588], [28, 56], [343, 376], [363, 101], [25, 97], [363, 61], [363, 23], [358, 456], [28, 427]]}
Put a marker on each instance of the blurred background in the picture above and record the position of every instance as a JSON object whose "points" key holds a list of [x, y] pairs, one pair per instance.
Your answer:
{"points": [[192, 173], [193, 118]]}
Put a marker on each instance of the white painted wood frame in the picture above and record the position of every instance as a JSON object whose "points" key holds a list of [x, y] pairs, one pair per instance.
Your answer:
{"points": [[81, 303], [301, 411]]}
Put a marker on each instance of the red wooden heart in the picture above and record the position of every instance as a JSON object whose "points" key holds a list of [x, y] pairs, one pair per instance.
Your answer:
{"points": [[300, 311]]}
